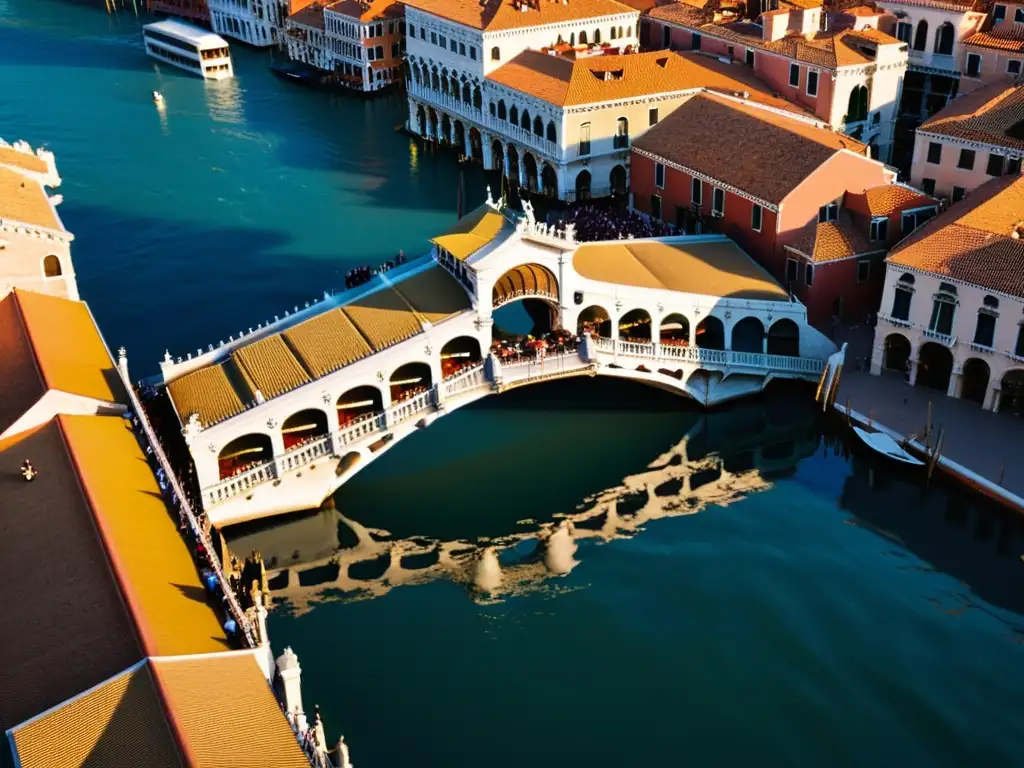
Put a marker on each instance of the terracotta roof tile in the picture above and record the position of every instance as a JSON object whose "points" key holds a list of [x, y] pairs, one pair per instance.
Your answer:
{"points": [[593, 79], [24, 199], [384, 318], [993, 114], [208, 393], [886, 199], [1000, 39], [763, 153], [507, 14], [972, 239], [833, 240], [367, 11], [327, 342], [24, 160], [434, 294], [270, 367]]}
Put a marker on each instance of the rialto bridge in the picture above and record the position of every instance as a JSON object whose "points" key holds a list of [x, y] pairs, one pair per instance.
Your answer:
{"points": [[279, 418]]}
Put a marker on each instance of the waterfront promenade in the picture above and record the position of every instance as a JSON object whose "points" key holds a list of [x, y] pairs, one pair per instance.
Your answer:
{"points": [[987, 443]]}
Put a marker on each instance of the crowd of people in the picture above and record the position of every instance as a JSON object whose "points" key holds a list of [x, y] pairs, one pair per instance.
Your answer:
{"points": [[528, 348], [360, 275], [594, 223]]}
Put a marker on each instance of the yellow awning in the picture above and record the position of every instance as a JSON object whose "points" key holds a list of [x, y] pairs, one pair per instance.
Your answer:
{"points": [[471, 233]]}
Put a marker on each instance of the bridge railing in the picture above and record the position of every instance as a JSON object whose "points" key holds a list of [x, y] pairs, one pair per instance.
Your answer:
{"points": [[703, 356], [361, 428], [516, 295], [238, 484], [464, 381], [411, 408], [304, 454]]}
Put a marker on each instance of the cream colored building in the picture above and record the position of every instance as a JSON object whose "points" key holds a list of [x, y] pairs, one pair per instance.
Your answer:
{"points": [[35, 248]]}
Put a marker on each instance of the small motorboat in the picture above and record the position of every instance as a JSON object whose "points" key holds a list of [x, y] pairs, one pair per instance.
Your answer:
{"points": [[885, 445], [158, 97]]}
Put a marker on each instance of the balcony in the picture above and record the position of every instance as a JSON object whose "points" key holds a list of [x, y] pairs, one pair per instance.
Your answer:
{"points": [[942, 338]]}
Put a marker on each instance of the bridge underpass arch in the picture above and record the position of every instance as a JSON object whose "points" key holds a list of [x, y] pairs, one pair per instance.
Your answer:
{"points": [[460, 352], [674, 330], [303, 426], [357, 403], [244, 452], [748, 335], [594, 319], [409, 380], [526, 280], [635, 325], [710, 333], [784, 338]]}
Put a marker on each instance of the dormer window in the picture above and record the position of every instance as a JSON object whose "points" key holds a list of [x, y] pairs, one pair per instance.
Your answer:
{"points": [[998, 13], [828, 212]]}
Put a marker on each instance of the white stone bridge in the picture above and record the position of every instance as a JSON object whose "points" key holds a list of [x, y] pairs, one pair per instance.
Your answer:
{"points": [[281, 417]]}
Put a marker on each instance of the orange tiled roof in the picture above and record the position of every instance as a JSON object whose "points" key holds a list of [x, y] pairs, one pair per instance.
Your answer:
{"points": [[24, 199], [371, 10], [24, 160], [834, 240], [495, 15], [1008, 39], [993, 114], [565, 82], [760, 152], [434, 295], [310, 16], [972, 240], [886, 199], [269, 366]]}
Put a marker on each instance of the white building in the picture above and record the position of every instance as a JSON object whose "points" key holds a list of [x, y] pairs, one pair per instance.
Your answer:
{"points": [[278, 419], [35, 248], [256, 22], [952, 313]]}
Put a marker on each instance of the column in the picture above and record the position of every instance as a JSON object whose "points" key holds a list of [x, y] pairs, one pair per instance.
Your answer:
{"points": [[414, 125], [912, 380], [955, 384], [877, 355], [994, 393]]}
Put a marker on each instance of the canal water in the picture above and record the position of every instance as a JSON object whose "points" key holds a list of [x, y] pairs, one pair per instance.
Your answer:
{"points": [[583, 573]]}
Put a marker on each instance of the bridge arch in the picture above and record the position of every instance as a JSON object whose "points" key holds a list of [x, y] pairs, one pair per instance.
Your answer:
{"points": [[784, 338], [526, 280], [244, 452], [458, 353], [595, 318], [409, 380], [303, 426], [710, 333], [357, 403], [748, 335], [674, 330], [635, 325]]}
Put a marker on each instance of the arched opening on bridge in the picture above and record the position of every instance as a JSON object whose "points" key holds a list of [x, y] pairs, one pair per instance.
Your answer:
{"points": [[497, 156], [244, 452], [51, 266], [421, 120], [530, 170], [974, 380], [304, 426], [523, 281], [409, 380], [476, 145], [896, 353], [358, 403], [348, 461], [748, 335], [617, 180], [635, 326], [583, 185], [513, 164], [1011, 397], [596, 321], [934, 366], [460, 352], [784, 338], [675, 330], [710, 333], [549, 181]]}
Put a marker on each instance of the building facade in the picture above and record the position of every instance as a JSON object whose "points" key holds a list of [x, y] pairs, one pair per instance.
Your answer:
{"points": [[976, 138], [849, 76], [952, 314], [257, 22], [196, 11], [995, 54], [35, 248]]}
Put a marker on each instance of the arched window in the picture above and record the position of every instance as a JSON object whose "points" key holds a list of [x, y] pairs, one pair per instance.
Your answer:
{"points": [[435, 80], [444, 85], [416, 73], [494, 112], [467, 93], [495, 54], [621, 140], [943, 310], [985, 331], [583, 37], [455, 86], [572, 38], [597, 36], [921, 36], [538, 126], [501, 109], [526, 120], [944, 39], [857, 109], [513, 115], [478, 99], [901, 299], [613, 33], [552, 134], [51, 266]]}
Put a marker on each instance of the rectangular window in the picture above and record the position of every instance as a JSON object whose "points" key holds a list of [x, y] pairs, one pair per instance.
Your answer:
{"points": [[794, 75], [391, 27], [998, 13], [879, 229], [928, 186], [792, 268], [903, 32], [995, 164], [718, 201], [442, 41], [973, 65], [423, 33], [863, 270], [934, 152], [1013, 166], [696, 192], [380, 29], [812, 83], [1018, 16], [453, 45], [656, 207], [1013, 67], [985, 332], [695, 41], [958, 194], [750, 58], [585, 139], [462, 49], [369, 54], [681, 218], [394, 50], [472, 52], [809, 274], [412, 31], [659, 175], [433, 38], [652, 116], [755, 218], [942, 317], [828, 212], [966, 161]]}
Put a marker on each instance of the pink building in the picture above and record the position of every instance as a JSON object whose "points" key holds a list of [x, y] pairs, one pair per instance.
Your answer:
{"points": [[849, 75], [995, 54], [976, 138]]}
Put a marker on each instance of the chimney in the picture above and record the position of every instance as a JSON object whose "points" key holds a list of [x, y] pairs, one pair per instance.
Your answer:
{"points": [[774, 25], [810, 22]]}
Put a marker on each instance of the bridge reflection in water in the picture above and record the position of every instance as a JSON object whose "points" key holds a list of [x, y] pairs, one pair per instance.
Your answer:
{"points": [[722, 457]]}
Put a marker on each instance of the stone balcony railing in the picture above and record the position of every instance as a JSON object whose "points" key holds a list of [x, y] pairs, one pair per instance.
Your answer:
{"points": [[726, 358]]}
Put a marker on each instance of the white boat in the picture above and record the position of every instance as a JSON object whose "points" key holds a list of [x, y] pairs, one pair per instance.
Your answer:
{"points": [[188, 47], [885, 445]]}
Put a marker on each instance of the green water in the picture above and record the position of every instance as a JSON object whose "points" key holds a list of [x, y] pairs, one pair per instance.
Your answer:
{"points": [[796, 609]]}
